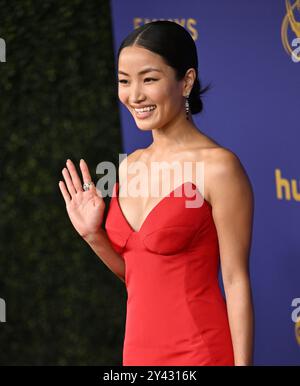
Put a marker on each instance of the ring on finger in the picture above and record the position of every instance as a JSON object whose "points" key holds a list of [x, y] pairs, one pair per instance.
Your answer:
{"points": [[86, 186]]}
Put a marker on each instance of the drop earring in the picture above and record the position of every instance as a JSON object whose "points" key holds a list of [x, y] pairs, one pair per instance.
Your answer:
{"points": [[187, 106]]}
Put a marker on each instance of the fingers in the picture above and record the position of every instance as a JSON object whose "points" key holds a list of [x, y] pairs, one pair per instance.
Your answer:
{"points": [[72, 180], [69, 182], [64, 192], [76, 182], [85, 171], [87, 177]]}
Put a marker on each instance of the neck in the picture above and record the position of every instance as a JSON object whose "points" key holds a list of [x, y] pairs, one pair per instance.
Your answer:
{"points": [[175, 135]]}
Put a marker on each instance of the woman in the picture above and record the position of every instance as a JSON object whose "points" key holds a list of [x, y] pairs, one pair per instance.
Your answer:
{"points": [[166, 252]]}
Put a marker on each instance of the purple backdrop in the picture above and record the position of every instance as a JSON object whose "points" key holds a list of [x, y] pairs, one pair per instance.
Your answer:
{"points": [[253, 109]]}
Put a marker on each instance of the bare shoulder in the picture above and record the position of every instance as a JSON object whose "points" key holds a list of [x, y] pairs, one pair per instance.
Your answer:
{"points": [[224, 172], [220, 159], [132, 157]]}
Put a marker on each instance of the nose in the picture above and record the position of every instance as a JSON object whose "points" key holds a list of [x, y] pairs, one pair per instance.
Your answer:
{"points": [[136, 94]]}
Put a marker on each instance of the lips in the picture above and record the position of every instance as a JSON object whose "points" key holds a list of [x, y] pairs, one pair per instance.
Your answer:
{"points": [[143, 107], [144, 114]]}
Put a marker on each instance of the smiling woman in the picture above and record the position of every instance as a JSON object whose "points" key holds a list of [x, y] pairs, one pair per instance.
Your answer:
{"points": [[154, 68], [175, 312], [167, 252]]}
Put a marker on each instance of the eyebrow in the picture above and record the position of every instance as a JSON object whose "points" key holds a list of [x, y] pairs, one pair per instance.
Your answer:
{"points": [[148, 69]]}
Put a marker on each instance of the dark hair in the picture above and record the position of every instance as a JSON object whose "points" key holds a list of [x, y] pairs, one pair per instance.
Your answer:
{"points": [[177, 48]]}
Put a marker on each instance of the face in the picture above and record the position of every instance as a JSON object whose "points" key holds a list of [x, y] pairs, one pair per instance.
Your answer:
{"points": [[155, 89]]}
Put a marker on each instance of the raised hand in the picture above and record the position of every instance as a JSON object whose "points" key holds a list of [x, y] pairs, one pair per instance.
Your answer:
{"points": [[85, 208]]}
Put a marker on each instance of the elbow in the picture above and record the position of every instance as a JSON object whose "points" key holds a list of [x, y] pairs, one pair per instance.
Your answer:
{"points": [[236, 279]]}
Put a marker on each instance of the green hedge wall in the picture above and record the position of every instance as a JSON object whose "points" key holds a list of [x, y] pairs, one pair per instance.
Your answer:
{"points": [[58, 100]]}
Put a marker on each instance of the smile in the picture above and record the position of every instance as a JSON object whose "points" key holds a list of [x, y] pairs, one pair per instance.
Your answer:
{"points": [[148, 108], [144, 112]]}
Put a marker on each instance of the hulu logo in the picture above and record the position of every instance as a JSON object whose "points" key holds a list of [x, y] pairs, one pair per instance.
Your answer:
{"points": [[2, 311], [2, 50], [286, 189]]}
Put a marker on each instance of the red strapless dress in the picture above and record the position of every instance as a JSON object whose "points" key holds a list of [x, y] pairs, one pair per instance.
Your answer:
{"points": [[176, 314]]}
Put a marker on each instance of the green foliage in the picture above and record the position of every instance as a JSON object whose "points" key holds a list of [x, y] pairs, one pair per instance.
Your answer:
{"points": [[58, 100]]}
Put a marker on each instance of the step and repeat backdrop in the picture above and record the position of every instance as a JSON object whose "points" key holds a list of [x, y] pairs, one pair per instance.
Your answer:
{"points": [[250, 52]]}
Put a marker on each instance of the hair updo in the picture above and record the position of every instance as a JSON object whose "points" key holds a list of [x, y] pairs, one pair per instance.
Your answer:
{"points": [[176, 47]]}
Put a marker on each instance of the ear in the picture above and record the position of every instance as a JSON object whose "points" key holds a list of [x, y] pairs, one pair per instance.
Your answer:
{"points": [[189, 80]]}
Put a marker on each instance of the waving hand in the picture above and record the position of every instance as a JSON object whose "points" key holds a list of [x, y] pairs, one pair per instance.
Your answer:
{"points": [[85, 208]]}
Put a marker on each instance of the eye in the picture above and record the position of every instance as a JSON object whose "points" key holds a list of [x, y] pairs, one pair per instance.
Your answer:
{"points": [[150, 79], [124, 81]]}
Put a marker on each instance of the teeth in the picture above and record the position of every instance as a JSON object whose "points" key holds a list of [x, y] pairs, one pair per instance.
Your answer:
{"points": [[145, 109]]}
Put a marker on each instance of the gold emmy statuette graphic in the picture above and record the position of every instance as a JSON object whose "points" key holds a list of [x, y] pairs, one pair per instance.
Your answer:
{"points": [[290, 21], [297, 330]]}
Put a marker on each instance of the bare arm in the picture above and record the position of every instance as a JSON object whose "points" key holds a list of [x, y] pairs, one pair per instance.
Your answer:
{"points": [[232, 203], [85, 210], [101, 245]]}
